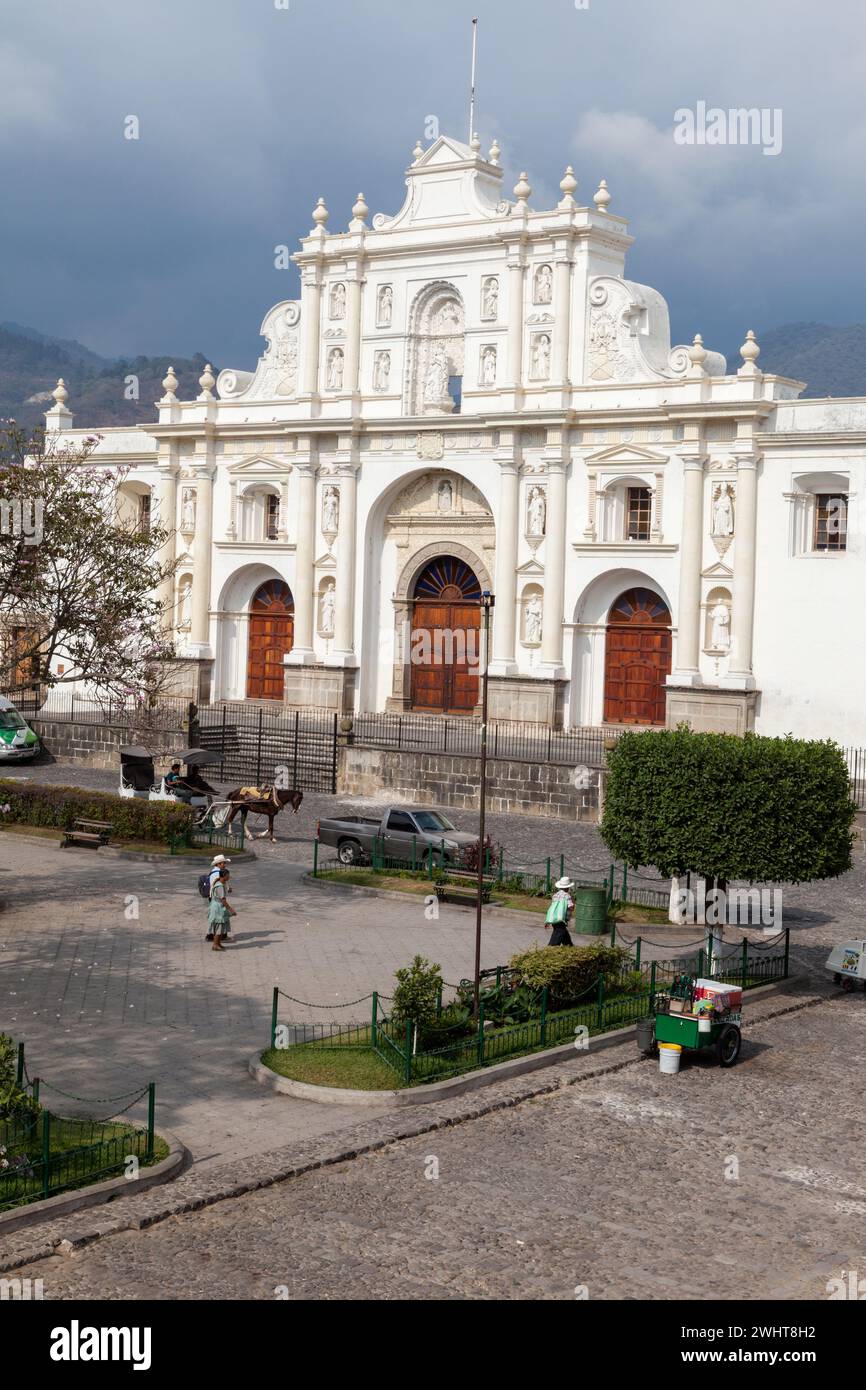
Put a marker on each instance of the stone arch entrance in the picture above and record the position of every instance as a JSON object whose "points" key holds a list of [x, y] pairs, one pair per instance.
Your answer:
{"points": [[637, 658], [444, 643], [271, 634]]}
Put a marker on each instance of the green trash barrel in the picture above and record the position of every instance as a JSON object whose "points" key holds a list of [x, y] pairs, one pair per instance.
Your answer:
{"points": [[590, 911]]}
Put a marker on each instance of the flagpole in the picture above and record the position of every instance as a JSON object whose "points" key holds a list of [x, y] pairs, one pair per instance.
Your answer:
{"points": [[472, 83]]}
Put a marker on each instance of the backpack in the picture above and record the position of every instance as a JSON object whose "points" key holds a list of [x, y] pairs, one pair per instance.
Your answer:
{"points": [[204, 885], [557, 912]]}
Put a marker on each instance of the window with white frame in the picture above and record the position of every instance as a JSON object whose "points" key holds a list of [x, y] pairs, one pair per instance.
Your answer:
{"points": [[260, 514], [819, 514], [625, 511]]}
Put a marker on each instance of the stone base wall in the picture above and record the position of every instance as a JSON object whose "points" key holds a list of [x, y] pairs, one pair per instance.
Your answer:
{"points": [[98, 745], [526, 701], [438, 779], [190, 677], [320, 688], [711, 711]]}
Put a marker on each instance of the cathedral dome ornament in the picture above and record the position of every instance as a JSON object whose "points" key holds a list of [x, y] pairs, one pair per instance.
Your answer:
{"points": [[602, 196]]}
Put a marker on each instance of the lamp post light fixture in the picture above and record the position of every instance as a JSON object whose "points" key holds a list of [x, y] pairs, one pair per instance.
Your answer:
{"points": [[487, 604]]}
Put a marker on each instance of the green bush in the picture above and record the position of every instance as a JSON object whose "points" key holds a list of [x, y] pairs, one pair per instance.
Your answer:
{"points": [[15, 1103], [570, 971], [416, 992], [59, 807]]}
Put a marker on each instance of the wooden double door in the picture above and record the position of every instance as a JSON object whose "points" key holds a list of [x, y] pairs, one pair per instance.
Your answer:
{"points": [[271, 634], [637, 659], [445, 641]]}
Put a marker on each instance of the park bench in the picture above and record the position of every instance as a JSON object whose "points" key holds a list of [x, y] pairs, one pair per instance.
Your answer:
{"points": [[466, 897], [88, 832]]}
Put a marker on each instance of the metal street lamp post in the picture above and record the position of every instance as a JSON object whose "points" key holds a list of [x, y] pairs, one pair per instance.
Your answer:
{"points": [[487, 604]]}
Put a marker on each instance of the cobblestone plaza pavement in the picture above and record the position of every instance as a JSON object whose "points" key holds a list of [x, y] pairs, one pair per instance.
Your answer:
{"points": [[592, 1185]]}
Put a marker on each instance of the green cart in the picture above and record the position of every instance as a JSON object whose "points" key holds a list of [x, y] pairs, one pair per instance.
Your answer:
{"points": [[692, 1032]]}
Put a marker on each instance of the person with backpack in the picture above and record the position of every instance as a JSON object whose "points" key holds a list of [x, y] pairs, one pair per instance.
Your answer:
{"points": [[220, 911], [560, 910], [207, 881]]}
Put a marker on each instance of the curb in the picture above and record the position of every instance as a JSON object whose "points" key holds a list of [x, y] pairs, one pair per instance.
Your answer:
{"points": [[135, 856], [457, 1085], [108, 1191], [192, 1191]]}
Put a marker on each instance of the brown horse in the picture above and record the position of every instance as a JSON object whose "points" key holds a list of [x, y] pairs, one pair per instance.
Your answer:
{"points": [[269, 806]]}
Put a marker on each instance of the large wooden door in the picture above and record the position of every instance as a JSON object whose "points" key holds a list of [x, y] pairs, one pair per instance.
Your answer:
{"points": [[445, 648], [637, 659], [272, 628]]}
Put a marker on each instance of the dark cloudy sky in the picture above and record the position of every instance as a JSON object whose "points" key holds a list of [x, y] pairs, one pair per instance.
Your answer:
{"points": [[249, 112]]}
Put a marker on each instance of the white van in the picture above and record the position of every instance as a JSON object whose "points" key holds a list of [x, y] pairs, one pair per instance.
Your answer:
{"points": [[18, 742]]}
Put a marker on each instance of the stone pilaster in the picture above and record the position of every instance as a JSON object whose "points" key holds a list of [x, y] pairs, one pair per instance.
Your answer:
{"points": [[562, 319], [344, 625], [687, 672], [302, 590], [311, 314], [554, 557], [505, 613], [739, 675], [202, 477]]}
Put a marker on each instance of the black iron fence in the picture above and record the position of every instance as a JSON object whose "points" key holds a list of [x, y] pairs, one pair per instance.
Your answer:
{"points": [[530, 743], [262, 746]]}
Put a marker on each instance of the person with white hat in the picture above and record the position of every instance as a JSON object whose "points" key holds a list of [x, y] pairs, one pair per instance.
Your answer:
{"points": [[561, 908], [218, 863]]}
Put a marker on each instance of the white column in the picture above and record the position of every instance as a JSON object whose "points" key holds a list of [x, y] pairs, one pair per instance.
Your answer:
{"points": [[691, 554], [201, 559], [554, 572], [504, 615], [302, 590], [353, 334], [344, 623], [739, 676], [514, 341], [311, 297], [166, 493], [231, 528], [283, 523], [562, 320]]}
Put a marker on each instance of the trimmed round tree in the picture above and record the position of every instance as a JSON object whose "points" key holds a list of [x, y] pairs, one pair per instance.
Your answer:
{"points": [[753, 809]]}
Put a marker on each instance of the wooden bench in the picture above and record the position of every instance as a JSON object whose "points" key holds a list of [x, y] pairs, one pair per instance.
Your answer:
{"points": [[88, 832], [466, 897]]}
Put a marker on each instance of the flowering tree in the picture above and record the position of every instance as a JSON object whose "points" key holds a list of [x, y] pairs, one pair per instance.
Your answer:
{"points": [[79, 574]]}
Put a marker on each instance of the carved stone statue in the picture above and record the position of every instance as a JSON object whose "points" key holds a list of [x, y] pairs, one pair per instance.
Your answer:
{"points": [[448, 320], [490, 297], [436, 380], [541, 357], [384, 306], [723, 512], [328, 609], [185, 605], [537, 512], [543, 285], [335, 369], [488, 366], [331, 511], [445, 496], [338, 300], [534, 611], [187, 510], [381, 371], [720, 633]]}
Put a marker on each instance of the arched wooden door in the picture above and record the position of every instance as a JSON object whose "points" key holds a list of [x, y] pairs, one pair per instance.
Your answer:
{"points": [[637, 659], [272, 630], [445, 638]]}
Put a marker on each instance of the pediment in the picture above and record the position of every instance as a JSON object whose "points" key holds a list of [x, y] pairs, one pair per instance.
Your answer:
{"points": [[627, 456], [445, 150], [530, 568], [717, 571], [326, 562], [260, 467]]}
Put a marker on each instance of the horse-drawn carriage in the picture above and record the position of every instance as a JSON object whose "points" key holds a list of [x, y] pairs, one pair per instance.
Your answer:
{"points": [[138, 779]]}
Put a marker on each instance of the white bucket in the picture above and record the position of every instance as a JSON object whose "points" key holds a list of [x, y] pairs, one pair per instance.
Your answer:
{"points": [[669, 1058], [705, 1025]]}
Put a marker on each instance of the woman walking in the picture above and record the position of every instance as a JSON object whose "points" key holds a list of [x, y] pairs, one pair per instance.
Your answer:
{"points": [[561, 908], [220, 911]]}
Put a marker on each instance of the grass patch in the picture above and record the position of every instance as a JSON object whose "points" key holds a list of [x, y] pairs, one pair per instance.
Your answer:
{"points": [[355, 1068], [51, 832], [68, 1137]]}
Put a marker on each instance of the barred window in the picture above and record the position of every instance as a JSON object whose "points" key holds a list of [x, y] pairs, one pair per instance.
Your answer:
{"points": [[638, 510], [831, 521], [272, 516]]}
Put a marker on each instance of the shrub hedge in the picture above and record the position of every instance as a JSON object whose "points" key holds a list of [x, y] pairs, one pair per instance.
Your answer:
{"points": [[23, 803], [569, 971]]}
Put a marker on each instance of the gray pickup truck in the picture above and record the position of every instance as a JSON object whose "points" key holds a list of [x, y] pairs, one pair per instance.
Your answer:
{"points": [[403, 832]]}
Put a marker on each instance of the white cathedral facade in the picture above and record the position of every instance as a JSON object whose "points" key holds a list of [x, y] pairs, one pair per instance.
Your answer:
{"points": [[471, 397]]}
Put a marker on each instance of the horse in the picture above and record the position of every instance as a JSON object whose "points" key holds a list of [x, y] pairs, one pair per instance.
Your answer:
{"points": [[269, 806]]}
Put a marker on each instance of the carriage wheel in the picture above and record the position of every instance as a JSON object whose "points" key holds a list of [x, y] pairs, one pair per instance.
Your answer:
{"points": [[728, 1045], [848, 985]]}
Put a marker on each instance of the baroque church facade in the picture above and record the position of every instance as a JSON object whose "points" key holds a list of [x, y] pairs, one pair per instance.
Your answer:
{"points": [[468, 397]]}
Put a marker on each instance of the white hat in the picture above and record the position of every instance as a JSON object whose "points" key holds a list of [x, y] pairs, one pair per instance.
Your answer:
{"points": [[564, 883], [220, 859]]}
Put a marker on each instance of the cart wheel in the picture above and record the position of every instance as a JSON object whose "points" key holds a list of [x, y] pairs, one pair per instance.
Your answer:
{"points": [[837, 978], [728, 1046], [848, 985]]}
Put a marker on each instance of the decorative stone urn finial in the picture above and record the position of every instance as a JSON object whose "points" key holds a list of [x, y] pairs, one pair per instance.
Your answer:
{"points": [[207, 381], [360, 210], [602, 196], [750, 352], [697, 352], [320, 214], [60, 394], [169, 385], [493, 156], [522, 190], [418, 151], [567, 184], [475, 143]]}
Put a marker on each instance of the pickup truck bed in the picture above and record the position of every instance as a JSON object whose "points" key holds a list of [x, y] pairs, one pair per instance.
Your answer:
{"points": [[406, 834]]}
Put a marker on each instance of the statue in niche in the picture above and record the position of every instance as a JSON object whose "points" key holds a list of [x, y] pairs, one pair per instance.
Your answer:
{"points": [[490, 298], [543, 285], [328, 609], [384, 306], [338, 300], [488, 366], [449, 318], [537, 511], [533, 619], [541, 357], [185, 605], [187, 510], [331, 511], [720, 632], [335, 369], [723, 512], [382, 371], [445, 496], [436, 380]]}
